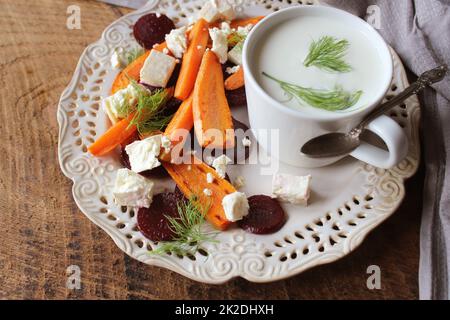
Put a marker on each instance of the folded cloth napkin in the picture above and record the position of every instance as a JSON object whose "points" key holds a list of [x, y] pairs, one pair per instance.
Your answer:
{"points": [[133, 4], [419, 31]]}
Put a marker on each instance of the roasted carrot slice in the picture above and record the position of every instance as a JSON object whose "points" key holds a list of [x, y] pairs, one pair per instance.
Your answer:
{"points": [[183, 119], [133, 70], [212, 115], [191, 59], [115, 135], [236, 80], [245, 22], [179, 127], [191, 179]]}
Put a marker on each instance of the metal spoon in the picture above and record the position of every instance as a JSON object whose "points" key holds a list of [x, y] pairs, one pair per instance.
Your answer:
{"points": [[337, 143]]}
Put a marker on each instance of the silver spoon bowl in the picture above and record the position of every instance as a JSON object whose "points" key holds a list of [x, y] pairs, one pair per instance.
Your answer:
{"points": [[337, 143]]}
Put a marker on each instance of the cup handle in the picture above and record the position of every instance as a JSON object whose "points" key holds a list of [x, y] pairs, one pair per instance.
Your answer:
{"points": [[393, 136]]}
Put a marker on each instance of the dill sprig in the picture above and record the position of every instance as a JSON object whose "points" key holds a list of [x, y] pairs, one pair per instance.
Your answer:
{"points": [[331, 100], [189, 235], [149, 109], [133, 54], [235, 38], [328, 53]]}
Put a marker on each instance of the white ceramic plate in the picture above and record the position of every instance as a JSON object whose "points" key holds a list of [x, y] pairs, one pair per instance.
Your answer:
{"points": [[349, 198]]}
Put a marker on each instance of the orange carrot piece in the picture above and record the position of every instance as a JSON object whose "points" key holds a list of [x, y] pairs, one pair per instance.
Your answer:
{"points": [[236, 80], [212, 116], [192, 59], [183, 119], [115, 135], [133, 70], [245, 22], [191, 179]]}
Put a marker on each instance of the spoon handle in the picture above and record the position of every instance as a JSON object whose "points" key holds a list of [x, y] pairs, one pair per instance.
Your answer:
{"points": [[426, 79]]}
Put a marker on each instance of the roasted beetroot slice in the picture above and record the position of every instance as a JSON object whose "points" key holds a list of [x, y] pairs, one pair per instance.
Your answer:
{"points": [[151, 29], [236, 98], [153, 222], [155, 173], [265, 215]]}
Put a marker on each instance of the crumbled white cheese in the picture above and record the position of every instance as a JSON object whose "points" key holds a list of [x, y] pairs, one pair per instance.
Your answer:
{"points": [[246, 142], [235, 206], [244, 31], [166, 143], [214, 10], [225, 27], [290, 188], [118, 60], [220, 164], [177, 41], [131, 189], [158, 15], [207, 192], [143, 154], [157, 69], [199, 47], [219, 44], [209, 177], [231, 70], [113, 105], [239, 182]]}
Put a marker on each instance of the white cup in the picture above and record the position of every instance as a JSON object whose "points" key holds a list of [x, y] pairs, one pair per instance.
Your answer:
{"points": [[296, 127]]}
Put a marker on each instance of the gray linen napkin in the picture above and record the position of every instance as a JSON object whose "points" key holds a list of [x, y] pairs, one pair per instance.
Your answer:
{"points": [[419, 30]]}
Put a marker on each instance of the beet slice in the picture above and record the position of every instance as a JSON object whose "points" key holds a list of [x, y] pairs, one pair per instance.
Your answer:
{"points": [[236, 98], [265, 215], [155, 173], [153, 222], [151, 29]]}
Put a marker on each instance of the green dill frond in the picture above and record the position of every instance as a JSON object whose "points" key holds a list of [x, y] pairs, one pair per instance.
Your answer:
{"points": [[328, 53], [189, 235], [235, 38], [133, 54], [149, 115], [331, 100]]}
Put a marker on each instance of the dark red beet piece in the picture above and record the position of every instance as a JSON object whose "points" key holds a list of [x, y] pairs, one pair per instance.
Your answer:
{"points": [[236, 98], [265, 215], [155, 173], [153, 223], [151, 29]]}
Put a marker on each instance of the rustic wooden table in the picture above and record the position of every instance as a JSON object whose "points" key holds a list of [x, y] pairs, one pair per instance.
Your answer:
{"points": [[43, 232]]}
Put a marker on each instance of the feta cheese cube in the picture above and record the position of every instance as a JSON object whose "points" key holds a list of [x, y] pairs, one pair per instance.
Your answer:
{"points": [[235, 206], [239, 182], [225, 9], [210, 12], [235, 54], [220, 164], [113, 105], [157, 69], [207, 192], [214, 10], [209, 178], [143, 154], [290, 188], [220, 44], [177, 41], [131, 189]]}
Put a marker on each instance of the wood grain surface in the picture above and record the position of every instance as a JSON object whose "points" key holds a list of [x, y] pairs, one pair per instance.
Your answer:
{"points": [[43, 232]]}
